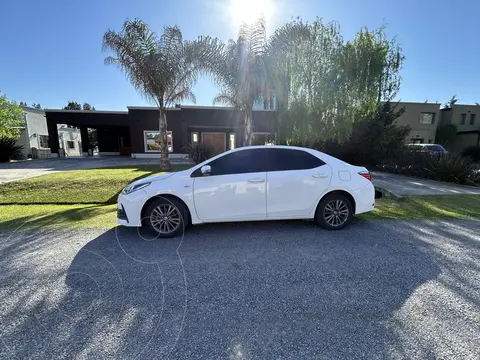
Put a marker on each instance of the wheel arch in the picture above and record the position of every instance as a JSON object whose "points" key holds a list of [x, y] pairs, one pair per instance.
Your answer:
{"points": [[341, 192], [165, 196]]}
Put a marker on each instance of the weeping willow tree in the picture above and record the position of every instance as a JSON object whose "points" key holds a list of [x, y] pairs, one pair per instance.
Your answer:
{"points": [[162, 68], [331, 82], [244, 71]]}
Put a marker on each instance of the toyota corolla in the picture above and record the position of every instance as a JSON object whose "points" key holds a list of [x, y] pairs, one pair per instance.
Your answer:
{"points": [[249, 184]]}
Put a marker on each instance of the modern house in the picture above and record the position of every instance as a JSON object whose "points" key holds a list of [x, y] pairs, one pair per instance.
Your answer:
{"points": [[34, 136], [135, 132], [465, 117], [423, 118]]}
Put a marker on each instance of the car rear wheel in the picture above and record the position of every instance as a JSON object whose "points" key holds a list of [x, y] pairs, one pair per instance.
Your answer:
{"points": [[334, 212], [166, 217]]}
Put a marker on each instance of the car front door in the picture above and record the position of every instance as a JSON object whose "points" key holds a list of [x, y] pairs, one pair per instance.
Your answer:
{"points": [[295, 180], [235, 188]]}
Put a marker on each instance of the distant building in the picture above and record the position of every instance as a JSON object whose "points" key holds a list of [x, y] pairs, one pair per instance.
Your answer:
{"points": [[465, 117], [34, 136], [423, 118]]}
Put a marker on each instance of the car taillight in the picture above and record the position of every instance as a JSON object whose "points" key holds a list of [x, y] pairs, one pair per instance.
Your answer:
{"points": [[366, 175]]}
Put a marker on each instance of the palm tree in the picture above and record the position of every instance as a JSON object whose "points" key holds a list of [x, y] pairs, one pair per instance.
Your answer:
{"points": [[162, 68], [245, 70]]}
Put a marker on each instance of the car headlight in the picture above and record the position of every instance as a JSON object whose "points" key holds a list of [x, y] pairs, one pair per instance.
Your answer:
{"points": [[131, 188]]}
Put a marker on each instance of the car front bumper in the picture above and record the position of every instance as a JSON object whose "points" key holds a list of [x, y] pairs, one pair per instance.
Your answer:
{"points": [[129, 208]]}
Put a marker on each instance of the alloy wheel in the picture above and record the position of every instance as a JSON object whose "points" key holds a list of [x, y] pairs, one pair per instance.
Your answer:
{"points": [[165, 218], [335, 213]]}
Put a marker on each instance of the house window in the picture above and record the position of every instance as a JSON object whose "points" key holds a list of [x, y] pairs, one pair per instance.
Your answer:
{"points": [[263, 139], [231, 141], [43, 141], [472, 119], [151, 139], [427, 118], [462, 119], [429, 141], [70, 145], [194, 137]]}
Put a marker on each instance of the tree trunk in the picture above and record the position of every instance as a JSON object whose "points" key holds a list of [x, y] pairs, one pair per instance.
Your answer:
{"points": [[248, 128], [164, 162]]}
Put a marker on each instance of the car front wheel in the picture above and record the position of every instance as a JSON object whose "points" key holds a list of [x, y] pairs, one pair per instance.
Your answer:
{"points": [[334, 212], [166, 217]]}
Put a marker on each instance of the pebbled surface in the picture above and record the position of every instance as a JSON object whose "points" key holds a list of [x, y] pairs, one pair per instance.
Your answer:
{"points": [[276, 290]]}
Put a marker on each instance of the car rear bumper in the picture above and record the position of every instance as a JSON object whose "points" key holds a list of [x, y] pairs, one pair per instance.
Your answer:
{"points": [[364, 199]]}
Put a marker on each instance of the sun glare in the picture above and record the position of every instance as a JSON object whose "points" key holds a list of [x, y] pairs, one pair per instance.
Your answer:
{"points": [[249, 10]]}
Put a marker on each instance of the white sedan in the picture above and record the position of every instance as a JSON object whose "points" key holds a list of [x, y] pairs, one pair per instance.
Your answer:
{"points": [[249, 184]]}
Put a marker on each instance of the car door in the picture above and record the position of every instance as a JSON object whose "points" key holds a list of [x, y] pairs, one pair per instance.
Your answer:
{"points": [[235, 188], [295, 181]]}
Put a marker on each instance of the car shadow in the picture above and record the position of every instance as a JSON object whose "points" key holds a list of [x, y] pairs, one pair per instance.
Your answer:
{"points": [[245, 290]]}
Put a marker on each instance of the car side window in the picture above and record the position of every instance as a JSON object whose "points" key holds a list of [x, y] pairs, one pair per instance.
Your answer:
{"points": [[238, 162], [292, 159]]}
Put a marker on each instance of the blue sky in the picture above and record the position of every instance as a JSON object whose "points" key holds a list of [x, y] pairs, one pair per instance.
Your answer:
{"points": [[51, 49]]}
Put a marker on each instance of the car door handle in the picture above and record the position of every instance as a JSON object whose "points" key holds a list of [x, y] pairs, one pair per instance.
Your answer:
{"points": [[256, 180], [320, 176]]}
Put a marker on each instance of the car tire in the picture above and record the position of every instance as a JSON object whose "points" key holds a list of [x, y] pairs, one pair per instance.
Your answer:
{"points": [[334, 212], [166, 217]]}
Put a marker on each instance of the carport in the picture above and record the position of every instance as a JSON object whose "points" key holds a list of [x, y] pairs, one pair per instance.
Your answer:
{"points": [[113, 131]]}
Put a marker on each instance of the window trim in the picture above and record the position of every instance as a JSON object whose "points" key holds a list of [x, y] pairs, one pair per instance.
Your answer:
{"points": [[197, 171], [463, 118], [472, 117], [432, 122], [40, 142], [145, 141], [191, 138]]}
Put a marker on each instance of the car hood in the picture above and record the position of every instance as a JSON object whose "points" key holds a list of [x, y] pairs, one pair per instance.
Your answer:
{"points": [[153, 178]]}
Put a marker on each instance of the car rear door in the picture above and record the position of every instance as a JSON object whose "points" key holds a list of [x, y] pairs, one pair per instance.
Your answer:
{"points": [[295, 180], [235, 188]]}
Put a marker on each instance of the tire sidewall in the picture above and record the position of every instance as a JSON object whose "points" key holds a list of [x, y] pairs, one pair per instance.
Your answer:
{"points": [[319, 218], [163, 200]]}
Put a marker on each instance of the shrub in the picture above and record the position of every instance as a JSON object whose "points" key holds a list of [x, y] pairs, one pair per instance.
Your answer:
{"points": [[472, 152], [198, 152], [9, 150], [451, 168]]}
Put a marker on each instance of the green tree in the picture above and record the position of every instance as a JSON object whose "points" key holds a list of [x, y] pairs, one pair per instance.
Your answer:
{"points": [[332, 82], [446, 134], [376, 137], [73, 105], [88, 107], [11, 118], [244, 69], [161, 68]]}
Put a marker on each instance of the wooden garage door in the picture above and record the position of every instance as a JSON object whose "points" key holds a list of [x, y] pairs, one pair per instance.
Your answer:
{"points": [[216, 141]]}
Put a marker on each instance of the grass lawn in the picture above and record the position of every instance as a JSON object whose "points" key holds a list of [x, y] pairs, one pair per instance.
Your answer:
{"points": [[84, 198], [91, 186], [104, 216]]}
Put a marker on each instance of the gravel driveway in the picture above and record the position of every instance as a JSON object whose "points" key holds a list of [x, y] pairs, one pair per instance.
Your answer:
{"points": [[282, 290]]}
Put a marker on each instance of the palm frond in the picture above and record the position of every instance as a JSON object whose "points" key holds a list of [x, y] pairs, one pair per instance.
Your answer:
{"points": [[226, 99]]}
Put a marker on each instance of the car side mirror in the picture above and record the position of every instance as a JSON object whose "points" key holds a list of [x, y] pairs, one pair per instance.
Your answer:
{"points": [[206, 170]]}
